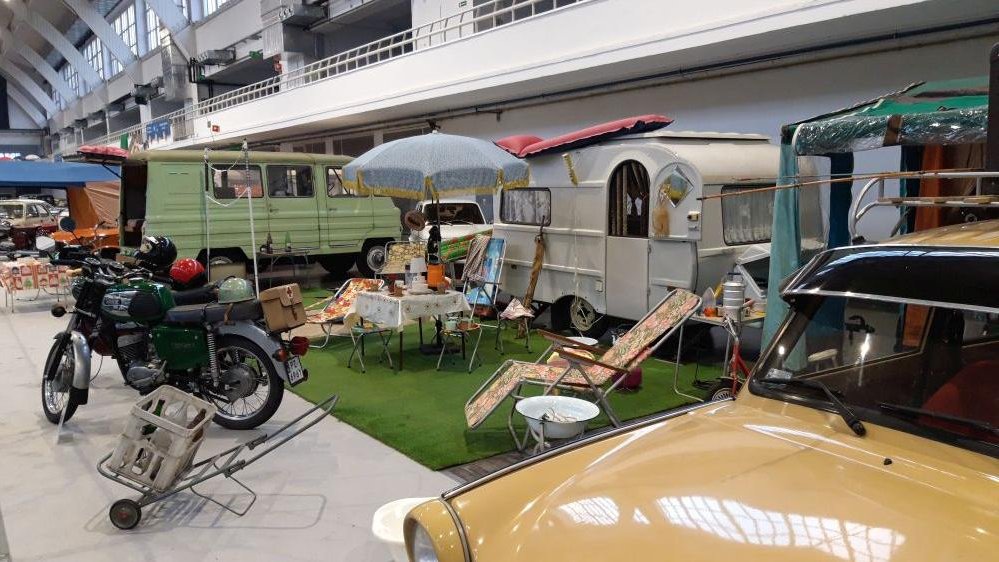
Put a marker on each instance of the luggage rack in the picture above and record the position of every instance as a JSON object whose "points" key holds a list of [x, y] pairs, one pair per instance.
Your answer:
{"points": [[976, 199]]}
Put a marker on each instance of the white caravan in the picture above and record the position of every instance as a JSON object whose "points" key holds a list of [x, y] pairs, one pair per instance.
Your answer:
{"points": [[623, 222]]}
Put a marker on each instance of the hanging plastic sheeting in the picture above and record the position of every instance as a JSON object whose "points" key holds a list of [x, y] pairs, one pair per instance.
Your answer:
{"points": [[785, 246], [928, 113]]}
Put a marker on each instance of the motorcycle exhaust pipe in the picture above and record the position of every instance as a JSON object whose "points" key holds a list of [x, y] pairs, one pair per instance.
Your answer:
{"points": [[80, 388]]}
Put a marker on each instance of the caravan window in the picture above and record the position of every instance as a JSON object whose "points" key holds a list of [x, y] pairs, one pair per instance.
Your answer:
{"points": [[529, 205], [289, 181], [232, 182], [746, 219]]}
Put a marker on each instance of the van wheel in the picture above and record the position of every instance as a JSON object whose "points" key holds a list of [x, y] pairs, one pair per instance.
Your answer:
{"points": [[337, 265], [372, 258]]}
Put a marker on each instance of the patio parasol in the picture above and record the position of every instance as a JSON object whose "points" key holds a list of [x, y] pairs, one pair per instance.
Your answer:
{"points": [[432, 165]]}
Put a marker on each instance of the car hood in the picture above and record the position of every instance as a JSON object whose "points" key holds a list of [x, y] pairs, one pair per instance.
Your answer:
{"points": [[753, 479]]}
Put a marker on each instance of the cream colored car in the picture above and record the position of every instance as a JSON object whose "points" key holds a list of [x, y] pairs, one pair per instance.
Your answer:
{"points": [[28, 214], [869, 432]]}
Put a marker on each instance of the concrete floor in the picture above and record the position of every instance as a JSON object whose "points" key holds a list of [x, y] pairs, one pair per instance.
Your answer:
{"points": [[316, 496]]}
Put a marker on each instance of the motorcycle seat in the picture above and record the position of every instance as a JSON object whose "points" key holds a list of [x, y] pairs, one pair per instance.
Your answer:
{"points": [[199, 295], [214, 313]]}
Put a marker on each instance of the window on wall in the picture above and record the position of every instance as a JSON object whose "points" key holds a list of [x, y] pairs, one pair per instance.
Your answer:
{"points": [[124, 27], [93, 51], [289, 181], [71, 77], [152, 28], [212, 6]]}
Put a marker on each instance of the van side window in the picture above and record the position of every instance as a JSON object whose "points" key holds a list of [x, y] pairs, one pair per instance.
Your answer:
{"points": [[628, 205], [532, 206], [334, 183], [230, 181], [746, 219], [290, 181]]}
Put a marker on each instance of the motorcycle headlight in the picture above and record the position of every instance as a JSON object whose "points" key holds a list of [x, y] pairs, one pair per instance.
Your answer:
{"points": [[434, 535]]}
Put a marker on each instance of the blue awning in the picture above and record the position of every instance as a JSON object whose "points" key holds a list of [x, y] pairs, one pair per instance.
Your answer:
{"points": [[19, 173]]}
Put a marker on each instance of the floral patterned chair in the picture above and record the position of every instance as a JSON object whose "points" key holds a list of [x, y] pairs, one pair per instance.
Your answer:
{"points": [[582, 373], [334, 309]]}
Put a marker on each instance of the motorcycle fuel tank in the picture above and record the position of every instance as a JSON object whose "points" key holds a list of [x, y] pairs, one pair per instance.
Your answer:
{"points": [[142, 302]]}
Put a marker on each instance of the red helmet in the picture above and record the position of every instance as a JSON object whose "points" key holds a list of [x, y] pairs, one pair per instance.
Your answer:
{"points": [[186, 270]]}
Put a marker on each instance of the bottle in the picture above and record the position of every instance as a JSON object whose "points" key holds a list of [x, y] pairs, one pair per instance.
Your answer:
{"points": [[287, 241], [708, 305], [409, 277]]}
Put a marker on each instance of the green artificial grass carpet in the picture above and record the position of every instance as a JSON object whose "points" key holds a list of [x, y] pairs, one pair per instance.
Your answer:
{"points": [[419, 411]]}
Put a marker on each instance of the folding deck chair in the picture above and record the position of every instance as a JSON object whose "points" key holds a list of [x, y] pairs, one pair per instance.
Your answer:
{"points": [[334, 309], [582, 373], [481, 279]]}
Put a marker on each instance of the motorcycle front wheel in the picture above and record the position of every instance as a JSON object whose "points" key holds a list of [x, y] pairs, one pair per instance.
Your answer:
{"points": [[57, 379], [250, 377]]}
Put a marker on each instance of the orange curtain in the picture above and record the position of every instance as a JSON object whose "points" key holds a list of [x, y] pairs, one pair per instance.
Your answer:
{"points": [[938, 157], [80, 208], [104, 196]]}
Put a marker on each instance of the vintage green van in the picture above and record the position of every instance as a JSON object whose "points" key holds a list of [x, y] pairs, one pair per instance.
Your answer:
{"points": [[297, 198]]}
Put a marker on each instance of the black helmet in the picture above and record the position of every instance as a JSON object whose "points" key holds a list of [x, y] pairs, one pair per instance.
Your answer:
{"points": [[156, 252]]}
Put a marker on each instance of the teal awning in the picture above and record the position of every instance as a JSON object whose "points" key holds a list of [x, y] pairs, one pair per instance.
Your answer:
{"points": [[925, 113]]}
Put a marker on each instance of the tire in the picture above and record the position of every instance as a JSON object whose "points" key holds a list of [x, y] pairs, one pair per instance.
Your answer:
{"points": [[125, 514], [275, 385], [583, 320], [53, 362], [722, 390], [371, 258], [337, 265]]}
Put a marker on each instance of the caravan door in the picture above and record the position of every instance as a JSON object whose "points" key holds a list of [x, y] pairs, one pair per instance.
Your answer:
{"points": [[675, 230], [627, 274]]}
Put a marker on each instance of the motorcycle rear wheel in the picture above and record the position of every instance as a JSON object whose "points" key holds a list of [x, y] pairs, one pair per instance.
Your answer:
{"points": [[252, 410], [56, 397]]}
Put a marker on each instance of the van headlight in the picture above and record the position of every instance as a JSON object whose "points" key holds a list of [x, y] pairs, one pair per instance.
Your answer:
{"points": [[433, 534]]}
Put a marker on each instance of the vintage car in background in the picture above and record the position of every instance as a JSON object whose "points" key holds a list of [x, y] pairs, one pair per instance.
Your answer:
{"points": [[28, 218], [868, 432]]}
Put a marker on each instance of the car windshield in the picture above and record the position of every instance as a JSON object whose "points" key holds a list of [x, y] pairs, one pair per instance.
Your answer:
{"points": [[11, 210], [929, 370], [454, 213]]}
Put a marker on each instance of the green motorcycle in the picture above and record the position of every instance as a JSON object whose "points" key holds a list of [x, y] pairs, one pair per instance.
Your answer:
{"points": [[221, 351]]}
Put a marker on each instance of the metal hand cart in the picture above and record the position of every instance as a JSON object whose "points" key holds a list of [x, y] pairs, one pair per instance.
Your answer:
{"points": [[126, 513]]}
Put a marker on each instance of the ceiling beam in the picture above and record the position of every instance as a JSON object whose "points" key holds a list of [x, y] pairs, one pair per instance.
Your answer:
{"points": [[31, 87], [103, 30], [10, 43], [58, 41], [18, 97]]}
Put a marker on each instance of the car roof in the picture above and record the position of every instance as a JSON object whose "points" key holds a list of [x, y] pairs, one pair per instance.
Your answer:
{"points": [[23, 200], [979, 234]]}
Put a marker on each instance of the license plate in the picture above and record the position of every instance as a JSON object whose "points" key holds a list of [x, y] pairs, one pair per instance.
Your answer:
{"points": [[295, 372]]}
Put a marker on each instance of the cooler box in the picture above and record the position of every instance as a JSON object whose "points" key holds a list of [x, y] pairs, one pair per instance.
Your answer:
{"points": [[283, 308]]}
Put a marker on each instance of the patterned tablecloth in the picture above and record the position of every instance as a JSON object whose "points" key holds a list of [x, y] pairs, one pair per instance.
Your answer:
{"points": [[32, 276], [392, 312]]}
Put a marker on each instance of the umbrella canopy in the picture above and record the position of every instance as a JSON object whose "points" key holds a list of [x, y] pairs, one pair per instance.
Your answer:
{"points": [[433, 165]]}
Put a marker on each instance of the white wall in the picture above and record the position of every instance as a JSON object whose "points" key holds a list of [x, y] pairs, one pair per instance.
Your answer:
{"points": [[18, 117], [427, 11], [757, 102]]}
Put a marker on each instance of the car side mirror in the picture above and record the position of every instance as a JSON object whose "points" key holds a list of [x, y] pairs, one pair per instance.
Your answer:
{"points": [[67, 224], [44, 244]]}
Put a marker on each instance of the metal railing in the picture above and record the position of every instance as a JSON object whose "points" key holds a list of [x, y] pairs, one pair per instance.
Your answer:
{"points": [[475, 20]]}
